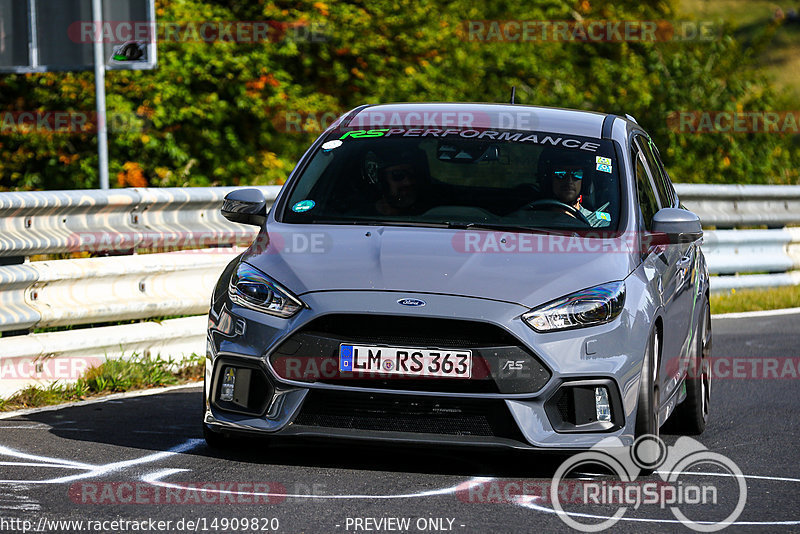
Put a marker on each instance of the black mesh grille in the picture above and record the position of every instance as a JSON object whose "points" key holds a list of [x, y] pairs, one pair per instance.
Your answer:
{"points": [[564, 406], [412, 331], [401, 413]]}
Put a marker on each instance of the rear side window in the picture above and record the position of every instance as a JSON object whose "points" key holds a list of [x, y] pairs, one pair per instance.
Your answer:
{"points": [[644, 188]]}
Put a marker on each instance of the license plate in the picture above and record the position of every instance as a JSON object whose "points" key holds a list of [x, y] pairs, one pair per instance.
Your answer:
{"points": [[405, 361]]}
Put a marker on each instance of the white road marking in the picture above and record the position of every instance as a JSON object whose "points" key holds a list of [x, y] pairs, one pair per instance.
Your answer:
{"points": [[525, 502], [755, 477], [155, 480], [33, 464], [92, 470], [17, 501], [760, 313]]}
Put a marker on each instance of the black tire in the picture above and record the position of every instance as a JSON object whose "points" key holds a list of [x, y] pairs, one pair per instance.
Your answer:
{"points": [[691, 416], [649, 395]]}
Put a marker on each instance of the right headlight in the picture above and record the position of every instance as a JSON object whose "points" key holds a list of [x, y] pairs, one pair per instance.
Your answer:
{"points": [[250, 288], [588, 307]]}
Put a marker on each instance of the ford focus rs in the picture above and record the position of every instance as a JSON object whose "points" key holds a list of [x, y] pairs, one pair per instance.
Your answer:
{"points": [[464, 274]]}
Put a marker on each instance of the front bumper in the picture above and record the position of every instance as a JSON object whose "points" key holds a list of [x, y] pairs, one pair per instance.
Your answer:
{"points": [[505, 407]]}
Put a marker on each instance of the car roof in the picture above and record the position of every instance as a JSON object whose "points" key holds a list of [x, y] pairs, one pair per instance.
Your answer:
{"points": [[480, 115]]}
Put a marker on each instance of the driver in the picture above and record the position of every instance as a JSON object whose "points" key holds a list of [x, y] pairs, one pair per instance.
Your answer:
{"points": [[564, 177], [402, 179]]}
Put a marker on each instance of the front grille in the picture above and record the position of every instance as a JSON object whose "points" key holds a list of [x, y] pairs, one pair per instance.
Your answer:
{"points": [[413, 414], [412, 331], [312, 354]]}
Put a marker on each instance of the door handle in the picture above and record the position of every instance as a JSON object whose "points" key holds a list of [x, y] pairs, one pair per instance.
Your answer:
{"points": [[685, 263]]}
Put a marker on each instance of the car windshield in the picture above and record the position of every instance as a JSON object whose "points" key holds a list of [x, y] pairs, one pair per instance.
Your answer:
{"points": [[459, 178]]}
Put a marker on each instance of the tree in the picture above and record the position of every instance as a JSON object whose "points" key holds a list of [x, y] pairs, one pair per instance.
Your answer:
{"points": [[242, 113]]}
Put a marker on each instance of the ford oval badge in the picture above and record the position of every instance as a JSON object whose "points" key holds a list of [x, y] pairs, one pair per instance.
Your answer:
{"points": [[411, 302]]}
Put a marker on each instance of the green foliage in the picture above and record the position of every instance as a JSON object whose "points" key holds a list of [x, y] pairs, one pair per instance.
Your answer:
{"points": [[215, 113], [134, 372], [746, 300]]}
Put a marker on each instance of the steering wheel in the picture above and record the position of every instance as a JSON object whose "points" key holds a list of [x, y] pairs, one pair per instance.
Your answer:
{"points": [[549, 203]]}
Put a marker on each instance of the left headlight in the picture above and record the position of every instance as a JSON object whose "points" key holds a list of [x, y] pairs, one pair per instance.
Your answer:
{"points": [[252, 289], [588, 307]]}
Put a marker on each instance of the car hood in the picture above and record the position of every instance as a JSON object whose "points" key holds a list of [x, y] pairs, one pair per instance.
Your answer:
{"points": [[527, 269]]}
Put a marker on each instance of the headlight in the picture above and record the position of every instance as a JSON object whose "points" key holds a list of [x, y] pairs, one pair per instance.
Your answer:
{"points": [[252, 289], [588, 307]]}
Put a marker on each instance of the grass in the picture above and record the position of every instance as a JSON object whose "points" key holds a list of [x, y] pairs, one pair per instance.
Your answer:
{"points": [[756, 299], [749, 19], [112, 376]]}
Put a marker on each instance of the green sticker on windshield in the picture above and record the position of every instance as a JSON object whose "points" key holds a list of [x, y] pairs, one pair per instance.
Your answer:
{"points": [[602, 160], [303, 206]]}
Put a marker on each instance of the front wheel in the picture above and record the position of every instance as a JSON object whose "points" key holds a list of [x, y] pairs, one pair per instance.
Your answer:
{"points": [[649, 395], [647, 422], [691, 415]]}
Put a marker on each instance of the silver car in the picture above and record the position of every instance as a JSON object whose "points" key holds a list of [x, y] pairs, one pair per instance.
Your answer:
{"points": [[465, 274]]}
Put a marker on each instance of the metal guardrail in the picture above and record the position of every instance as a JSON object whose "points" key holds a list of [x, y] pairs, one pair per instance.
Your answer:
{"points": [[733, 254], [51, 222], [63, 356], [98, 290], [731, 206], [52, 293]]}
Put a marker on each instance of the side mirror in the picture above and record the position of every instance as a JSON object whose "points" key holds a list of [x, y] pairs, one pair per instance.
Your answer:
{"points": [[246, 206], [679, 225]]}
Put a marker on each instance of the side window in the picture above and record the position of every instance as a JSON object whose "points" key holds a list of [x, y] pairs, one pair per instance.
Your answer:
{"points": [[664, 194], [644, 188], [664, 173]]}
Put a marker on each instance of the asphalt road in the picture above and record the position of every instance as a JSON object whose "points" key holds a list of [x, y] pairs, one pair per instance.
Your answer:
{"points": [[133, 459]]}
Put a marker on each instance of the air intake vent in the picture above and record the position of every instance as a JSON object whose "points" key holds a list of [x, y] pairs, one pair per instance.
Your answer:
{"points": [[403, 413]]}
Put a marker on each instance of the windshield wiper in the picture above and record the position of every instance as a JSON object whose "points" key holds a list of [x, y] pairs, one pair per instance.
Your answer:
{"points": [[459, 225], [505, 228], [370, 222]]}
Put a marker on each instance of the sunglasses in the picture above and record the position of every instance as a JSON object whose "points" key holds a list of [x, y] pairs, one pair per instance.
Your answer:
{"points": [[576, 174]]}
